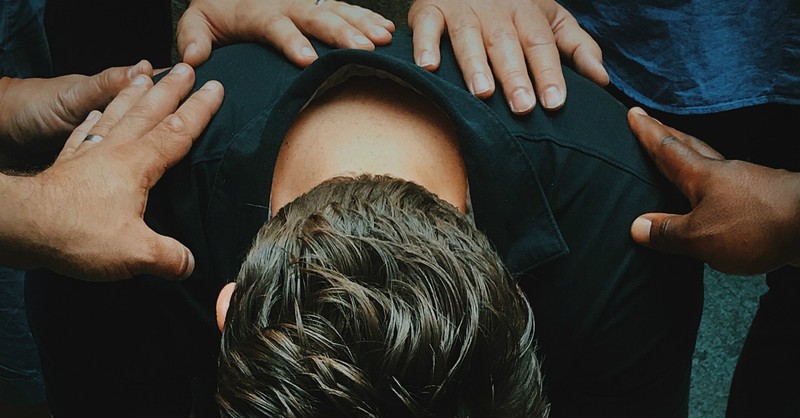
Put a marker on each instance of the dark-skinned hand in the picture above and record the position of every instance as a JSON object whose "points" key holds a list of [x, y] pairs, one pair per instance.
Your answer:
{"points": [[745, 218]]}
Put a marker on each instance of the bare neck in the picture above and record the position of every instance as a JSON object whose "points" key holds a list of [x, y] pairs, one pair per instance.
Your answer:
{"points": [[369, 125]]}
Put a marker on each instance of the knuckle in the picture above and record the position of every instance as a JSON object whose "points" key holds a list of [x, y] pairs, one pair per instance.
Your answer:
{"points": [[465, 26], [515, 77], [425, 12], [535, 38], [176, 123], [500, 36]]}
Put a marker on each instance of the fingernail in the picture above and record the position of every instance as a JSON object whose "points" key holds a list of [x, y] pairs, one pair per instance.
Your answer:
{"points": [[552, 98], [640, 229], [480, 84], [94, 114], [521, 100], [638, 111], [307, 52], [189, 268], [180, 69], [379, 32], [191, 49], [361, 40], [139, 80], [136, 69], [426, 59], [210, 85]]}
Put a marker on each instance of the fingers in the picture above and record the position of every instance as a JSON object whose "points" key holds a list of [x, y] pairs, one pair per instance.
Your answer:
{"points": [[97, 91], [649, 123], [374, 26], [284, 25], [159, 255], [465, 34], [158, 102], [677, 161], [194, 37], [508, 61], [578, 47], [79, 134], [539, 45], [121, 104], [339, 24], [172, 138], [427, 24], [662, 232]]}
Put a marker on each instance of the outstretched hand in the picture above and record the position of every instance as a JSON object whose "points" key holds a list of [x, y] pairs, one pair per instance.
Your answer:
{"points": [[37, 115], [284, 24], [745, 218], [83, 216], [515, 36]]}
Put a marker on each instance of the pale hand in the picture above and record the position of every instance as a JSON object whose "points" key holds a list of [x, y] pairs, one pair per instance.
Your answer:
{"points": [[284, 24], [83, 216], [37, 114], [524, 40]]}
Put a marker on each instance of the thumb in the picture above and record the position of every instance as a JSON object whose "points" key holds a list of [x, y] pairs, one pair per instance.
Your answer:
{"points": [[194, 38], [164, 257], [662, 232], [97, 91]]}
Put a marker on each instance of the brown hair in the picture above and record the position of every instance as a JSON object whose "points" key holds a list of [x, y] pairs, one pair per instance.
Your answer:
{"points": [[371, 297]]}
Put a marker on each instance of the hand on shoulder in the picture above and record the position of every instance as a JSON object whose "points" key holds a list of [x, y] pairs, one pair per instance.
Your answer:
{"points": [[745, 218], [83, 216], [284, 24]]}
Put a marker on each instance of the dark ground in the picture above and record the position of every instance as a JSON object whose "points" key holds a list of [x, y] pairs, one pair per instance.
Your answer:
{"points": [[730, 303]]}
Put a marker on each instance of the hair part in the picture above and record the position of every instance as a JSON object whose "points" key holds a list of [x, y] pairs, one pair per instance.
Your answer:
{"points": [[371, 297]]}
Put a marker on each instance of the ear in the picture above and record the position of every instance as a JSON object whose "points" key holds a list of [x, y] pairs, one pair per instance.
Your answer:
{"points": [[223, 301]]}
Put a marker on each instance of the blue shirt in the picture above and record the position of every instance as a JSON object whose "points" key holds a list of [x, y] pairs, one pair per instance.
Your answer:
{"points": [[698, 56]]}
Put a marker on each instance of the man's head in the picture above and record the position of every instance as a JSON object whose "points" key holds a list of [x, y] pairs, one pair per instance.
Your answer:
{"points": [[371, 297]]}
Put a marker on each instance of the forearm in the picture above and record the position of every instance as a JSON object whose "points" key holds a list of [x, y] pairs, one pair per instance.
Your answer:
{"points": [[795, 225], [20, 239], [7, 144], [26, 134]]}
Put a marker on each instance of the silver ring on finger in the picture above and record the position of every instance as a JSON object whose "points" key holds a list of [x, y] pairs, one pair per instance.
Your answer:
{"points": [[319, 2]]}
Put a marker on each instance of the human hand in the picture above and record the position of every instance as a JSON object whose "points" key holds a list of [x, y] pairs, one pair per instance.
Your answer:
{"points": [[37, 114], [511, 33], [745, 218], [284, 24], [83, 216]]}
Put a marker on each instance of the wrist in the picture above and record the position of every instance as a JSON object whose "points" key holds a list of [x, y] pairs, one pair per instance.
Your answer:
{"points": [[22, 243], [795, 226]]}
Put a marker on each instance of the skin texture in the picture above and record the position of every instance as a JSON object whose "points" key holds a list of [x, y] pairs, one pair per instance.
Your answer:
{"points": [[406, 137], [283, 24], [36, 115], [523, 40], [83, 216], [745, 218]]}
